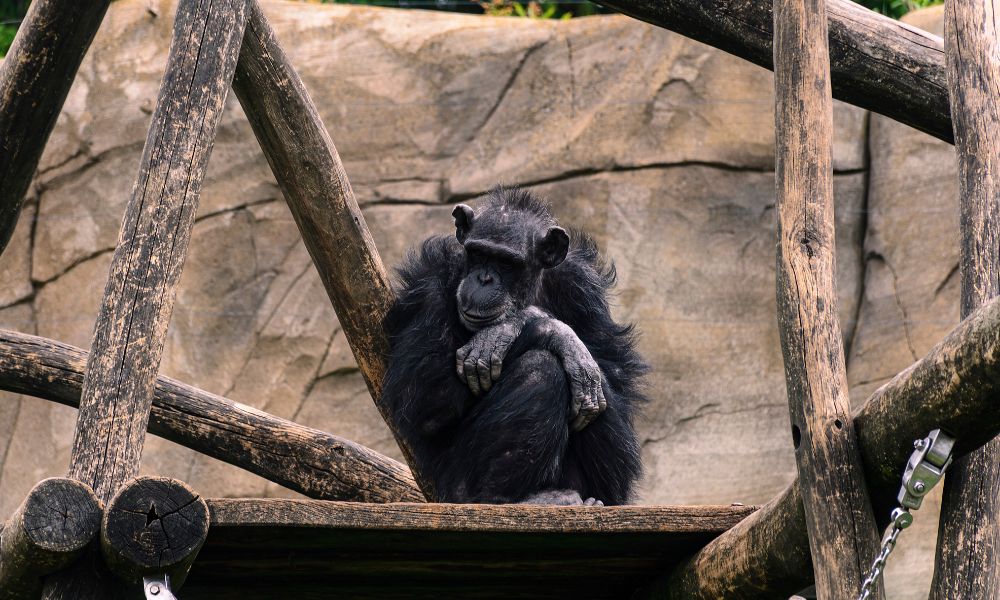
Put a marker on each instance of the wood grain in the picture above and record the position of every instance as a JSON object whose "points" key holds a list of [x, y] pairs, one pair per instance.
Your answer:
{"points": [[35, 78], [50, 530], [954, 387], [312, 178], [153, 526], [842, 536], [969, 533], [147, 264], [876, 63], [300, 458]]}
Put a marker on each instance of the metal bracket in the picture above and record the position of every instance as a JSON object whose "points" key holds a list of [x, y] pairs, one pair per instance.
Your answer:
{"points": [[930, 458], [157, 588]]}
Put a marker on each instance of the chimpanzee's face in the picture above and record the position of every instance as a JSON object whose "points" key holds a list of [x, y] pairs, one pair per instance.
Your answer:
{"points": [[506, 251]]}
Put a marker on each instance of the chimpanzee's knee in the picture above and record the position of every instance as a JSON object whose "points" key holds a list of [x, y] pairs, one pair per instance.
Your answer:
{"points": [[513, 441]]}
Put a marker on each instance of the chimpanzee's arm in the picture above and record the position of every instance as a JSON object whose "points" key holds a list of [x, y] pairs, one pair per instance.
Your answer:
{"points": [[479, 362]]}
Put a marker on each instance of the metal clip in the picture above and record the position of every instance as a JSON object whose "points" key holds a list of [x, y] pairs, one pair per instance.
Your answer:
{"points": [[926, 467], [157, 588]]}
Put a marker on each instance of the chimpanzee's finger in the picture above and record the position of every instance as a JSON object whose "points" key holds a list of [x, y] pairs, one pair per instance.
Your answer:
{"points": [[471, 374], [496, 365], [579, 422], [460, 361], [483, 370], [602, 403]]}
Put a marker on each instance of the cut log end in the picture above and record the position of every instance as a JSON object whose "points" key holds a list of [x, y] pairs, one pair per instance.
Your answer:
{"points": [[154, 526]]}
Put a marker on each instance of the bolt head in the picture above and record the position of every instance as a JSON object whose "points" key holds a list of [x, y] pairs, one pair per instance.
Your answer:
{"points": [[919, 444], [919, 486], [154, 589]]}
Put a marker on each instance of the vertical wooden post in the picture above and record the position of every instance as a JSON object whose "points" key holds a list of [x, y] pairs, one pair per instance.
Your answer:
{"points": [[842, 534], [969, 535], [34, 79], [146, 267], [312, 178]]}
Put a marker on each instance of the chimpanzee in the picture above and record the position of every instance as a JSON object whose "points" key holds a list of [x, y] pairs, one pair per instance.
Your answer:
{"points": [[547, 386]]}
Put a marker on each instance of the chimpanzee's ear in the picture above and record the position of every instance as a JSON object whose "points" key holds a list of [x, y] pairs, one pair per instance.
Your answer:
{"points": [[553, 247], [463, 221]]}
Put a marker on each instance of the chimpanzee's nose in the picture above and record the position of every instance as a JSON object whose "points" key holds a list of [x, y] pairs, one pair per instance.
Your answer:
{"points": [[485, 277]]}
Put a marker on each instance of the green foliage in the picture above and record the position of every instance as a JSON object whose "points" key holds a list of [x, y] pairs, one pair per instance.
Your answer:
{"points": [[897, 8], [6, 37]]}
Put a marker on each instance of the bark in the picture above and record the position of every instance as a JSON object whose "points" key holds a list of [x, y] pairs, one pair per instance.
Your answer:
{"points": [[35, 77], [312, 178], [969, 535], [954, 387], [306, 460], [876, 63]]}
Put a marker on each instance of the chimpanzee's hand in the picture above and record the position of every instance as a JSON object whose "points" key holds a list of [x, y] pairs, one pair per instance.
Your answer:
{"points": [[480, 361], [583, 373]]}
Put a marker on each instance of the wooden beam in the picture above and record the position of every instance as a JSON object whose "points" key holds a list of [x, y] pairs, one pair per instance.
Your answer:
{"points": [[312, 178], [311, 462], [50, 530], [969, 534], [954, 387], [154, 526], [876, 63], [842, 536], [35, 77], [147, 264]]}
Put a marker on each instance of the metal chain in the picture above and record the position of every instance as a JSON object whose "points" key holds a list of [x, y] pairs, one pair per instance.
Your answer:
{"points": [[931, 457]]}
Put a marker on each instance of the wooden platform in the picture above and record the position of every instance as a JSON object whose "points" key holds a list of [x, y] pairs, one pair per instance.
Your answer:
{"points": [[302, 549]]}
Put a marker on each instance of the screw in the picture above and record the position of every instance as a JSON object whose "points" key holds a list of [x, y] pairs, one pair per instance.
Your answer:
{"points": [[154, 589], [918, 444], [919, 486]]}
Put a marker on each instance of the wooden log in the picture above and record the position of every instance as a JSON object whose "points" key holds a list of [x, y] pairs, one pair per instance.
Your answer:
{"points": [[969, 533], [954, 387], [34, 79], [154, 526], [147, 264], [312, 178], [306, 460], [50, 530], [876, 63], [842, 536]]}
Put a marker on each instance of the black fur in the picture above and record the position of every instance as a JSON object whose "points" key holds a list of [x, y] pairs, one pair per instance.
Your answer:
{"points": [[514, 441]]}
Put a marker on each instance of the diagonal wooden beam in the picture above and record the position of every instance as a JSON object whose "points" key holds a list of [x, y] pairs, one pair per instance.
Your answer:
{"points": [[842, 537], [312, 462], [876, 63], [146, 267], [35, 77], [969, 533], [312, 178], [954, 387]]}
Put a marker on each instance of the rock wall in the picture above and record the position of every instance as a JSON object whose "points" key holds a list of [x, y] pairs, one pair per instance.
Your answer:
{"points": [[659, 146]]}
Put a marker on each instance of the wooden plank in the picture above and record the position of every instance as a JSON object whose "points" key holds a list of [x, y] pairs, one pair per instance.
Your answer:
{"points": [[876, 63], [515, 518], [274, 548], [841, 528], [147, 264], [35, 77], [969, 533], [312, 178], [303, 459], [50, 530], [953, 387]]}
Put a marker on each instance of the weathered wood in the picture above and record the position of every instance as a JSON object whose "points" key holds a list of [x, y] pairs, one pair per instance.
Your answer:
{"points": [[147, 264], [35, 77], [842, 536], [312, 178], [876, 63], [969, 532], [306, 460], [953, 387], [50, 530], [286, 549], [154, 526]]}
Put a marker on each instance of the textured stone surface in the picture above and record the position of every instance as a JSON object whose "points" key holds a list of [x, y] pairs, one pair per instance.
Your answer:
{"points": [[660, 147]]}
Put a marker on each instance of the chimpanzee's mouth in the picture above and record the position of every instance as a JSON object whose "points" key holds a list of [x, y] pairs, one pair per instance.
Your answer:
{"points": [[475, 320]]}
